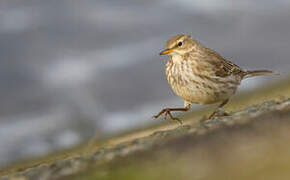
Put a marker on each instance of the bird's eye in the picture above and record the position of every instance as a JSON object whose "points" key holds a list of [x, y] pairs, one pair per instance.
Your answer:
{"points": [[179, 44]]}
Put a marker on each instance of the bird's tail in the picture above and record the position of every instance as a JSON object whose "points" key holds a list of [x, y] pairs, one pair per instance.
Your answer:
{"points": [[259, 73]]}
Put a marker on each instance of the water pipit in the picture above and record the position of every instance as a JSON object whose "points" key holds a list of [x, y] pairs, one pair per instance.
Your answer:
{"points": [[200, 75]]}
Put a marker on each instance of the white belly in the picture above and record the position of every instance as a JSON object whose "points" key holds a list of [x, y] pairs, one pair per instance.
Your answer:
{"points": [[198, 94], [197, 89]]}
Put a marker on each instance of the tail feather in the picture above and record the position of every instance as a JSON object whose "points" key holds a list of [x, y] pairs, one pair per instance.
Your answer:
{"points": [[259, 73]]}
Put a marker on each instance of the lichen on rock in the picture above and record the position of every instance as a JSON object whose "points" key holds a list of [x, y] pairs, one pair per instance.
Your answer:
{"points": [[245, 141]]}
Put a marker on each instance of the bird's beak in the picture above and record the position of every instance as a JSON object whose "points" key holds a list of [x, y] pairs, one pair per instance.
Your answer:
{"points": [[166, 51]]}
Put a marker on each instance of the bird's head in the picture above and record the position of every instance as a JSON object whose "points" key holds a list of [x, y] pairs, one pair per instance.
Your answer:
{"points": [[179, 45]]}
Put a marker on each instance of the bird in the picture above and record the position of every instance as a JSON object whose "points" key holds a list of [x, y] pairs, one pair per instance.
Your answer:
{"points": [[200, 75]]}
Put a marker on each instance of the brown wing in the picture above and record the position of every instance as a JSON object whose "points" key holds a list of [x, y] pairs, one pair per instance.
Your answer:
{"points": [[223, 67]]}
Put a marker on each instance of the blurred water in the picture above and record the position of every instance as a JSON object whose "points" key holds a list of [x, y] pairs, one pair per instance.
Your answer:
{"points": [[73, 69]]}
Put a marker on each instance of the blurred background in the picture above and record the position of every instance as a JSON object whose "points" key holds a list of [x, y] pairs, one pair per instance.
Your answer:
{"points": [[71, 70]]}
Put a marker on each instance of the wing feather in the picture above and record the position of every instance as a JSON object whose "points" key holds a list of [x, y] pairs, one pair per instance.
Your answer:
{"points": [[221, 66]]}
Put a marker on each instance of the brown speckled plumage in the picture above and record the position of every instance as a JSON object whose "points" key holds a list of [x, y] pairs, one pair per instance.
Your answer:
{"points": [[200, 75]]}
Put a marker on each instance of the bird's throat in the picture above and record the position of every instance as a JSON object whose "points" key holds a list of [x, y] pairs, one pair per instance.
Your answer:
{"points": [[176, 58]]}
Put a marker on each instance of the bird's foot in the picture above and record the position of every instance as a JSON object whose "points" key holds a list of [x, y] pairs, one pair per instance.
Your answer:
{"points": [[167, 113], [221, 112], [218, 113]]}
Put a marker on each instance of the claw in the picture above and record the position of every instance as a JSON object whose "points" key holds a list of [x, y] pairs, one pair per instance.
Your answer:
{"points": [[177, 119], [165, 116], [218, 112], [167, 113]]}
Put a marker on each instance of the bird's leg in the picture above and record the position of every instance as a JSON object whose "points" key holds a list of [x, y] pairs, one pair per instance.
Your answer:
{"points": [[167, 111], [216, 110]]}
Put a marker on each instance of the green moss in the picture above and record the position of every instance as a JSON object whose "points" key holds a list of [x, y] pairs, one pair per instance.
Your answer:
{"points": [[256, 150], [186, 152]]}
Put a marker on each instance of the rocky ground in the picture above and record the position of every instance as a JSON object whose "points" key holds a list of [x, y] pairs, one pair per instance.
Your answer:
{"points": [[252, 143]]}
